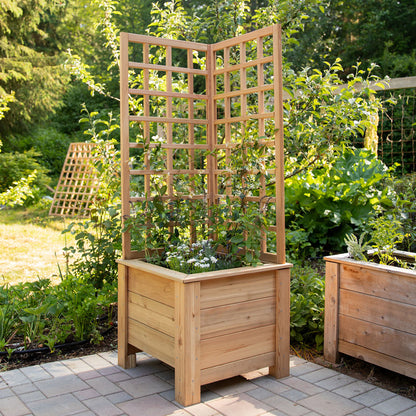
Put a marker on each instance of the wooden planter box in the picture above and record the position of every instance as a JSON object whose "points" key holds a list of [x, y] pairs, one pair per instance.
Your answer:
{"points": [[207, 326], [370, 313]]}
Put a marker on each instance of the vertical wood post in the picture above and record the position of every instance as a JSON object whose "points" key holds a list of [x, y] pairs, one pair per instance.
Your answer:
{"points": [[281, 367], [124, 140], [331, 312], [125, 359], [187, 343], [279, 147]]}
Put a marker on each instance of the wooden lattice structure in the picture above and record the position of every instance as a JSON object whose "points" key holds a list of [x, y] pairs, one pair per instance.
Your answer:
{"points": [[77, 183], [189, 137], [195, 116]]}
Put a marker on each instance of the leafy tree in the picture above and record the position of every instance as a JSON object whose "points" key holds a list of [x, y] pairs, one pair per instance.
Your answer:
{"points": [[379, 31], [29, 67]]}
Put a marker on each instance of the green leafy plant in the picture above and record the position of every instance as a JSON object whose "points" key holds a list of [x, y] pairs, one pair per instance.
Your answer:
{"points": [[335, 200], [98, 239], [35, 314], [385, 236], [307, 302], [357, 248], [22, 178]]}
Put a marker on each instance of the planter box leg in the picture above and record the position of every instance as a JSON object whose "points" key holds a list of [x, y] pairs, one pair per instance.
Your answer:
{"points": [[126, 358], [281, 367], [331, 312], [187, 343]]}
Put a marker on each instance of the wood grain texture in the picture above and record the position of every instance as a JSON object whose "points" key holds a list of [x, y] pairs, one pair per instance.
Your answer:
{"points": [[155, 343], [153, 287], [125, 358], [380, 311], [380, 283], [237, 346], [237, 317], [282, 332], [154, 314], [187, 343], [388, 341], [235, 368], [236, 289], [331, 312]]}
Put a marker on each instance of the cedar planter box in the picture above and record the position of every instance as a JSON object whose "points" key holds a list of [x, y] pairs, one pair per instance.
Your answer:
{"points": [[207, 326], [370, 313]]}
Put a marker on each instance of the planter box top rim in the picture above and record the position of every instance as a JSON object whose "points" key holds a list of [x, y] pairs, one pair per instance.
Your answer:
{"points": [[345, 258], [139, 264]]}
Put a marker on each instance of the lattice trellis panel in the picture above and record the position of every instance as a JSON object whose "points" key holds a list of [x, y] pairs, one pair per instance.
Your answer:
{"points": [[182, 126], [77, 184]]}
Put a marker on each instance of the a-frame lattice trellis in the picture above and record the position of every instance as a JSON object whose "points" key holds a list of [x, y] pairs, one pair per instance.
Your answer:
{"points": [[77, 183], [229, 93]]}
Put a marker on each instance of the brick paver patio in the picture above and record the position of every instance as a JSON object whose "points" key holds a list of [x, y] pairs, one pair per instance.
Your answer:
{"points": [[95, 385]]}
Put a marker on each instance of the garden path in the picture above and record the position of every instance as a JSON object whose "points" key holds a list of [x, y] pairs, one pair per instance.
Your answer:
{"points": [[95, 385]]}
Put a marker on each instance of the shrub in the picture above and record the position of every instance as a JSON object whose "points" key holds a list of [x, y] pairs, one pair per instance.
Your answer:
{"points": [[17, 172], [307, 302], [328, 203], [48, 142]]}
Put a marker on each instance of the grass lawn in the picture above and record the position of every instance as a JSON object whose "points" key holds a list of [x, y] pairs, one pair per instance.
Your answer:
{"points": [[31, 245]]}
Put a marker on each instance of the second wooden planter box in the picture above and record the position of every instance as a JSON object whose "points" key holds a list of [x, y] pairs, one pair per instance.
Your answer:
{"points": [[208, 326], [370, 313]]}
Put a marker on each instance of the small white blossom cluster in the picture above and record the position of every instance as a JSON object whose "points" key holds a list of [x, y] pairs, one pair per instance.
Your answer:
{"points": [[195, 258]]}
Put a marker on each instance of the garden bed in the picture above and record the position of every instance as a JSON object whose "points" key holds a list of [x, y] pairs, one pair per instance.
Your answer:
{"points": [[369, 310], [208, 326]]}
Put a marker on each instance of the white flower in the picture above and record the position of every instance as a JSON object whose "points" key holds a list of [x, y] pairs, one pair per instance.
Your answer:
{"points": [[213, 259]]}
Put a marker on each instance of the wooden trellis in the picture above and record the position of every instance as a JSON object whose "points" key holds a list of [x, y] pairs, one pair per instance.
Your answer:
{"points": [[199, 136], [194, 116], [77, 183]]}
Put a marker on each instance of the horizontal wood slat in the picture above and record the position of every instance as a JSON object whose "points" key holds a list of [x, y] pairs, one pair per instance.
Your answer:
{"points": [[177, 120], [374, 357], [244, 65], [150, 40], [155, 93], [243, 118], [156, 343], [242, 38], [169, 146], [151, 313], [378, 338], [235, 368], [378, 310], [238, 346], [153, 287], [237, 289], [237, 317], [379, 283]]}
